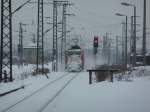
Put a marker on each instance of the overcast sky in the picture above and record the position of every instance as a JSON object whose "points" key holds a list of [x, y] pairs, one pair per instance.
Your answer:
{"points": [[99, 15], [93, 17]]}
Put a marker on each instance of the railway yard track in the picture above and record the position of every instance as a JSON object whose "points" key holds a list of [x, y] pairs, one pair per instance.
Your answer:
{"points": [[40, 99]]}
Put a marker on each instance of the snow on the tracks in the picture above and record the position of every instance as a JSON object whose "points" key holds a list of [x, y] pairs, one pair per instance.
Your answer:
{"points": [[79, 96]]}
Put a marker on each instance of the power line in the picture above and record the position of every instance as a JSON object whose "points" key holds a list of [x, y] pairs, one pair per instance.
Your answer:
{"points": [[21, 6]]}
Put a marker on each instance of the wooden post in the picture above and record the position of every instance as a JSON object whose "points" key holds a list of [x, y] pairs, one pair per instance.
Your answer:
{"points": [[90, 77]]}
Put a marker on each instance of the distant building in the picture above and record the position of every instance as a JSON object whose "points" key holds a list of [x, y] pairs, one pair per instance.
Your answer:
{"points": [[30, 53]]}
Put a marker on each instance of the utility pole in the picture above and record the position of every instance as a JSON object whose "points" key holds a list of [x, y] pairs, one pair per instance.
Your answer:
{"points": [[63, 39], [131, 41], [123, 45], [40, 37], [126, 43], [109, 52], [55, 31], [144, 32], [126, 50], [105, 44], [55, 52], [6, 40], [134, 39], [20, 45], [107, 49], [117, 49], [64, 29]]}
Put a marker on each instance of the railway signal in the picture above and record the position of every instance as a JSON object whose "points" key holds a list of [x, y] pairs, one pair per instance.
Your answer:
{"points": [[95, 44]]}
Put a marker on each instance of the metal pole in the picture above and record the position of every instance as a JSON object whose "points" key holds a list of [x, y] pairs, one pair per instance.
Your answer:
{"points": [[56, 43], [109, 52], [42, 11], [55, 17], [61, 52], [144, 32], [37, 56], [40, 39], [123, 45], [65, 28], [126, 49], [1, 57], [55, 52], [6, 39], [63, 40], [10, 47], [20, 46], [134, 39], [116, 49], [131, 42]]}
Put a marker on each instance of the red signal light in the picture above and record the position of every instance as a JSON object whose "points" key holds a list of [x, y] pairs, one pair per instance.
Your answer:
{"points": [[95, 43]]}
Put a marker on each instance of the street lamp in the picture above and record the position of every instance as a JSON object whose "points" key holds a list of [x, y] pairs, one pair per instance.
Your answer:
{"points": [[118, 14], [127, 4], [134, 39]]}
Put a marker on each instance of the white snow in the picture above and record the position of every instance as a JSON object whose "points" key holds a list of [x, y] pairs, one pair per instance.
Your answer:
{"points": [[105, 97], [79, 96]]}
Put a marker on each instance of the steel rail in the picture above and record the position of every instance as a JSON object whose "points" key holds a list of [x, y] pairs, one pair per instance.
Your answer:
{"points": [[39, 90], [58, 93]]}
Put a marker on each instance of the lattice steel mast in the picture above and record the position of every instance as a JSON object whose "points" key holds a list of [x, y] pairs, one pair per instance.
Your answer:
{"points": [[20, 46], [63, 39], [40, 36], [55, 57], [55, 35], [144, 33], [6, 40]]}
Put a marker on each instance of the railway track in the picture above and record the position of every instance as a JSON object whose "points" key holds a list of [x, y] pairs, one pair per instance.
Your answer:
{"points": [[64, 79], [57, 93]]}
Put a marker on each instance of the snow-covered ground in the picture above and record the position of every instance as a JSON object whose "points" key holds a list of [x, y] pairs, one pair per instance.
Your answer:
{"points": [[104, 97], [79, 96]]}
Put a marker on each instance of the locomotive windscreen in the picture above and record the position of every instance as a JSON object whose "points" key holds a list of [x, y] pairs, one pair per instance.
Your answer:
{"points": [[75, 47]]}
